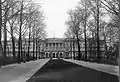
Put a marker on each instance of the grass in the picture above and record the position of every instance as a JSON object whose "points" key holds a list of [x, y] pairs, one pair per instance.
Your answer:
{"points": [[7, 61]]}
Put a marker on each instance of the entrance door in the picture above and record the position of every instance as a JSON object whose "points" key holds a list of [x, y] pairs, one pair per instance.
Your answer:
{"points": [[53, 55], [47, 55], [60, 55]]}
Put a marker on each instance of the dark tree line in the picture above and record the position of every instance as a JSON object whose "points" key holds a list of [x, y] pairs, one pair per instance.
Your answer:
{"points": [[21, 21], [96, 19]]}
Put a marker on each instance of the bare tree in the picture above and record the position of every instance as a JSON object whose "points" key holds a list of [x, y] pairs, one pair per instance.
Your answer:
{"points": [[18, 17], [85, 14], [7, 7], [96, 12], [69, 35], [1, 50], [21, 25], [113, 7], [74, 25], [34, 19], [12, 28]]}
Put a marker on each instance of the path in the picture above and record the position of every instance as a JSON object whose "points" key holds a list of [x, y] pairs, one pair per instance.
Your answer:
{"points": [[20, 72], [63, 71]]}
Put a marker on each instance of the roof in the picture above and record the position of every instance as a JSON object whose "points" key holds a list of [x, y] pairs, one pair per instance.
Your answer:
{"points": [[54, 40]]}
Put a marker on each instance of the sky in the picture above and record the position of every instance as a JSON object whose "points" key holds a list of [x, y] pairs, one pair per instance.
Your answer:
{"points": [[55, 12]]}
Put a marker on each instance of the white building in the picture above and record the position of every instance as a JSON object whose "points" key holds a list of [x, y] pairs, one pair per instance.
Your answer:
{"points": [[52, 47]]}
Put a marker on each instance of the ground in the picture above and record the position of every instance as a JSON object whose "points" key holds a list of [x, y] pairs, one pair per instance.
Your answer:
{"points": [[20, 72], [63, 71]]}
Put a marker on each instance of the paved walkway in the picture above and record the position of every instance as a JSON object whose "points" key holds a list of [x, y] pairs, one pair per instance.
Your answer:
{"points": [[20, 72], [111, 69], [62, 71]]}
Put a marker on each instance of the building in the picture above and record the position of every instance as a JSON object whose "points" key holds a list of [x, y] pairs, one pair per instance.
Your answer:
{"points": [[55, 47], [92, 48]]}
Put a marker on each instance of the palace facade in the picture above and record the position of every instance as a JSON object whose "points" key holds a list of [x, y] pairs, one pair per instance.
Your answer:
{"points": [[56, 47]]}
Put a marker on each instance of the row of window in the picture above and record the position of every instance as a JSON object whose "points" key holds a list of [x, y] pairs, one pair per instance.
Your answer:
{"points": [[54, 44]]}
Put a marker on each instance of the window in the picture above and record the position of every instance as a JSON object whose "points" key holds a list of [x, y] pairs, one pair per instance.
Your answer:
{"points": [[56, 44], [53, 44], [46, 44], [60, 44], [50, 44]]}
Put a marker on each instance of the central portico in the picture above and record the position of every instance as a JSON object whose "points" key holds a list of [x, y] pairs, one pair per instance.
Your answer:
{"points": [[54, 47], [57, 48]]}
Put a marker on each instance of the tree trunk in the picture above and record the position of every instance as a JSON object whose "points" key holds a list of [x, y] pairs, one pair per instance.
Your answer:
{"points": [[73, 48], [85, 40], [24, 51], [5, 40], [13, 47], [13, 42], [0, 23], [33, 47], [97, 21], [21, 50], [19, 45], [118, 59], [1, 49], [39, 51], [36, 48], [5, 34], [79, 51], [20, 30], [28, 55], [85, 35], [85, 44], [119, 41]]}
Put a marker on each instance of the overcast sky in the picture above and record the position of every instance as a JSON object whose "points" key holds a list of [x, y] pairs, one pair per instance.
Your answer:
{"points": [[55, 12]]}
